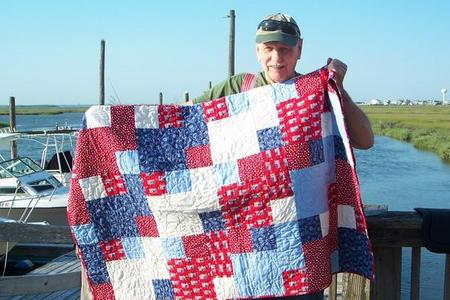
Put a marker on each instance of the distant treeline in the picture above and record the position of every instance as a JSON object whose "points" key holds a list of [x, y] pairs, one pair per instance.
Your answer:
{"points": [[43, 109]]}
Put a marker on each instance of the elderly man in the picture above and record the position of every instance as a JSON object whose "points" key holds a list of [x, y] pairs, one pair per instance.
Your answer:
{"points": [[278, 47]]}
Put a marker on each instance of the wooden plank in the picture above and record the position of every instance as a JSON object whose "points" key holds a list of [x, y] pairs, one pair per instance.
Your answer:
{"points": [[32, 233], [354, 287], [332, 291], [388, 271], [27, 285], [447, 278], [415, 273]]}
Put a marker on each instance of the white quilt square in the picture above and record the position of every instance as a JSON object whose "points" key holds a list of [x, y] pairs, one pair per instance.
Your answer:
{"points": [[263, 108], [177, 223], [92, 188], [225, 288], [98, 116], [154, 254], [131, 278], [283, 210], [146, 116], [233, 138], [346, 216], [324, 223]]}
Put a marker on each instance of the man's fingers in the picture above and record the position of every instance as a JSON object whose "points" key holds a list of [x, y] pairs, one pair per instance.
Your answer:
{"points": [[329, 60]]}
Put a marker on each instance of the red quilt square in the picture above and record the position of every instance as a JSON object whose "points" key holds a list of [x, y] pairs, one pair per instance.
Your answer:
{"points": [[112, 250], [220, 254], [123, 125], [77, 211], [102, 291], [251, 167], [240, 240], [317, 262], [196, 245], [170, 116], [277, 173], [346, 184], [114, 184], [298, 155], [199, 156], [154, 183], [192, 278], [215, 110], [147, 226], [295, 282], [312, 82]]}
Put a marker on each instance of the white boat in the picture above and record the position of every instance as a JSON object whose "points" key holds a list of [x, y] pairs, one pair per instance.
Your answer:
{"points": [[30, 194]]}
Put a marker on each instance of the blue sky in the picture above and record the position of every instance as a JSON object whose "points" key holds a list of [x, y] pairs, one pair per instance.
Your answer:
{"points": [[49, 50]]}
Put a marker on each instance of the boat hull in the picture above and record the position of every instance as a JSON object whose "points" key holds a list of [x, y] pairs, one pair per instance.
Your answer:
{"points": [[54, 215]]}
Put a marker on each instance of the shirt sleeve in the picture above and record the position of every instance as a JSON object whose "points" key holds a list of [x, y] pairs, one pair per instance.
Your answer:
{"points": [[224, 88]]}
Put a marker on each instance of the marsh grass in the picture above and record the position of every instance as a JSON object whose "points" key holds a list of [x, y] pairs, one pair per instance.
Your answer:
{"points": [[426, 127], [43, 109]]}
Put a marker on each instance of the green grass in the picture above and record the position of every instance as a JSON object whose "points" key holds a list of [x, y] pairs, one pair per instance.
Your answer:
{"points": [[43, 109], [426, 127]]}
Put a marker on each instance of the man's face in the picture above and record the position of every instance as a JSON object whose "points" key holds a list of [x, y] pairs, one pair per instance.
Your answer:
{"points": [[278, 60]]}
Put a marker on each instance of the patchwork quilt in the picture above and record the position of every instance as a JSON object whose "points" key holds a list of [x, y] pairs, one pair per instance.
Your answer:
{"points": [[248, 196]]}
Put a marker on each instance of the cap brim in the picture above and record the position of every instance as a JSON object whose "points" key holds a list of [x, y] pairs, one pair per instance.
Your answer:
{"points": [[276, 36]]}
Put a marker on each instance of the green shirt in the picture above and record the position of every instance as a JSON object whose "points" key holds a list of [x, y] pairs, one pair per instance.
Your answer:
{"points": [[230, 86]]}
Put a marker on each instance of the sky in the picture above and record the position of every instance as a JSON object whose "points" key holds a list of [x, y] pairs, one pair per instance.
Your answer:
{"points": [[49, 50]]}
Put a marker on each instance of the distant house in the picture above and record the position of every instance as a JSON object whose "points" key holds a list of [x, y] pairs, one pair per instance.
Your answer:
{"points": [[375, 102]]}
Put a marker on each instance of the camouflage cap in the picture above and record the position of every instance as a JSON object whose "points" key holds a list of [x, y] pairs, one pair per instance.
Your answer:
{"points": [[278, 28]]}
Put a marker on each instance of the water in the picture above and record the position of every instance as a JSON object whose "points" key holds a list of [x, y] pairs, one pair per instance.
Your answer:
{"points": [[392, 173]]}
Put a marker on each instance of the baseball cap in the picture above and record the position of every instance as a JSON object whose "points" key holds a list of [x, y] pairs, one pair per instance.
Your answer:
{"points": [[278, 28]]}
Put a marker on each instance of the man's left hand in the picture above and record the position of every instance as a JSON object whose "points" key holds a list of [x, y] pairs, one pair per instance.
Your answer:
{"points": [[339, 69]]}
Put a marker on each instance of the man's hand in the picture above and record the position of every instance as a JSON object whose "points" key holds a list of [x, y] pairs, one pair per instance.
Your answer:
{"points": [[339, 69]]}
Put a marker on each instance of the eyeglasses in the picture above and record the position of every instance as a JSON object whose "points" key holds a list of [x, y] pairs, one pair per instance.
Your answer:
{"points": [[274, 25]]}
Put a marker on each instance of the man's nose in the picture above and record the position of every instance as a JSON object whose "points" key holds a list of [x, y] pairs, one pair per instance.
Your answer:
{"points": [[276, 56]]}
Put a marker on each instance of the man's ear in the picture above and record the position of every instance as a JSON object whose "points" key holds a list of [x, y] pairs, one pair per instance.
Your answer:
{"points": [[257, 52], [300, 46]]}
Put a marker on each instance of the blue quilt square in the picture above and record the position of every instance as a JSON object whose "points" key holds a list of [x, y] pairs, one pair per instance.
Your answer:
{"points": [[257, 274], [136, 196], [328, 149], [128, 162], [212, 221], [95, 263], [334, 261], [284, 91], [311, 190], [133, 248], [162, 149], [195, 127], [339, 148], [113, 217], [316, 150], [263, 238], [226, 173], [310, 229], [289, 246], [269, 138], [163, 289], [85, 234], [173, 247], [354, 252], [237, 103], [178, 181]]}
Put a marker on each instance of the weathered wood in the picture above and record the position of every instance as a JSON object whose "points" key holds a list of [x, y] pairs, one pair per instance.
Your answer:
{"points": [[332, 290], [186, 97], [386, 228], [31, 233], [26, 285], [415, 273], [160, 98], [447, 278], [12, 124], [102, 73], [232, 17], [354, 287], [388, 269]]}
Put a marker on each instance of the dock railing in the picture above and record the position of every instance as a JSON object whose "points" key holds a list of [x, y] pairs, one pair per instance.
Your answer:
{"points": [[389, 232]]}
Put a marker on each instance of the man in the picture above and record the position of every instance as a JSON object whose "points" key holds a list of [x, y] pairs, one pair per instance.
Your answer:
{"points": [[278, 47]]}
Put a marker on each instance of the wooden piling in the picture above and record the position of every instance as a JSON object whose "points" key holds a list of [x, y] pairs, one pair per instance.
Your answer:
{"points": [[160, 98], [186, 97], [232, 17], [12, 124], [102, 73]]}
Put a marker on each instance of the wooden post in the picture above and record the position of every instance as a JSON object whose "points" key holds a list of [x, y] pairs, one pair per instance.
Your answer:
{"points": [[12, 124], [160, 98], [210, 84], [186, 97], [415, 273], [388, 271], [102, 73], [231, 44]]}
